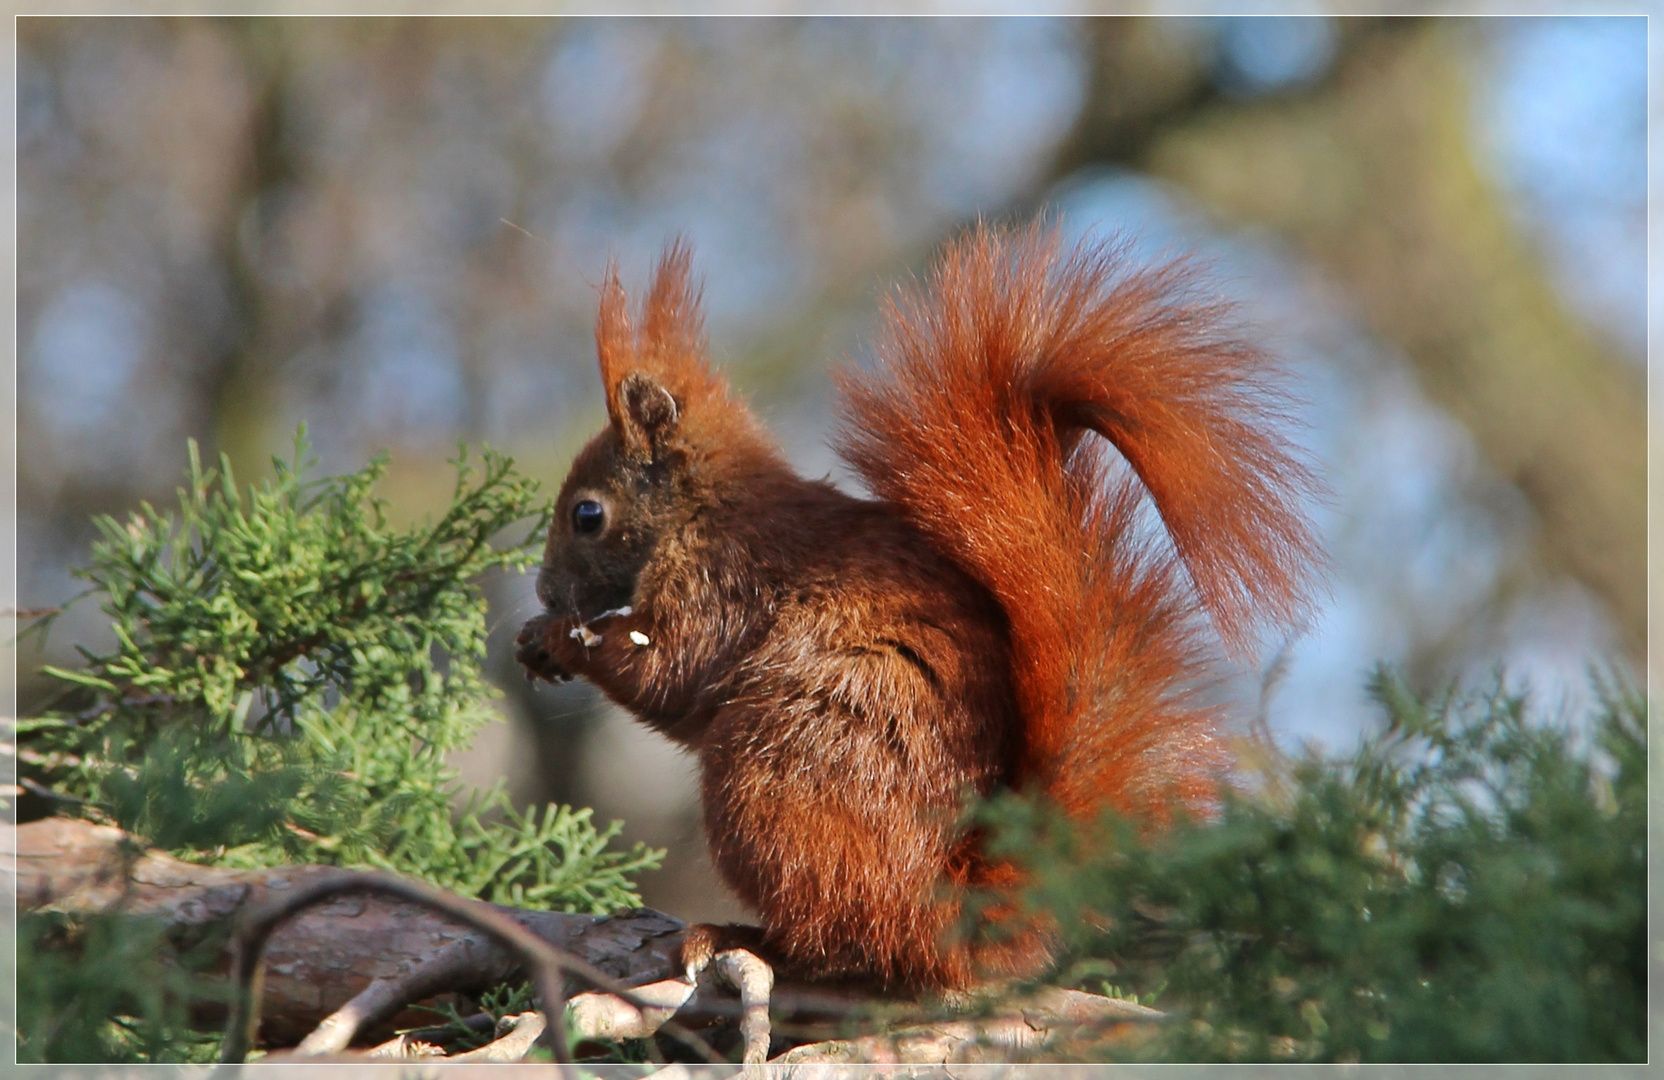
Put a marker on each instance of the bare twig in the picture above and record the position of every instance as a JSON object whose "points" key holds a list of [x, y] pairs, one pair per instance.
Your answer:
{"points": [[395, 951], [29, 613], [514, 1045], [325, 955], [544, 960], [47, 793], [78, 866], [608, 1016], [636, 1013], [256, 926], [754, 980], [383, 998], [1010, 1033], [404, 1045]]}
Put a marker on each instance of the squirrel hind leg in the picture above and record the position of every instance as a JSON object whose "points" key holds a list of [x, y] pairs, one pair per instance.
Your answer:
{"points": [[703, 941]]}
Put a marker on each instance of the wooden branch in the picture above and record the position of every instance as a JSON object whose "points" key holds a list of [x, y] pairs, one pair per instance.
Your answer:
{"points": [[256, 924], [384, 998], [328, 955], [754, 979], [514, 1045], [1047, 1021], [1012, 1032], [340, 969], [607, 1016]]}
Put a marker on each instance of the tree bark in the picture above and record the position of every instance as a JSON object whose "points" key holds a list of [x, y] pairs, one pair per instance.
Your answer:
{"points": [[329, 954], [326, 955], [1020, 1031]]}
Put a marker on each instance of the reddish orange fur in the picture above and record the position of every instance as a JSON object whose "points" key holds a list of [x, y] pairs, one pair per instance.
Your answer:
{"points": [[846, 670], [990, 379]]}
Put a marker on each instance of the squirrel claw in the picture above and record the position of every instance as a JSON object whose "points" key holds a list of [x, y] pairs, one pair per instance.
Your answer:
{"points": [[698, 950]]}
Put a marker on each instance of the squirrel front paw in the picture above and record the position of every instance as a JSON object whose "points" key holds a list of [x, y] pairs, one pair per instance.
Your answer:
{"points": [[532, 649]]}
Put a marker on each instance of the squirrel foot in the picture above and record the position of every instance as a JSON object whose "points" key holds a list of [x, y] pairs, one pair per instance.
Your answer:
{"points": [[702, 942], [731, 952]]}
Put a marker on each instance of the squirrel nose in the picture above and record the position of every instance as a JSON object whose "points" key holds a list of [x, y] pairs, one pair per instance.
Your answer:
{"points": [[546, 586]]}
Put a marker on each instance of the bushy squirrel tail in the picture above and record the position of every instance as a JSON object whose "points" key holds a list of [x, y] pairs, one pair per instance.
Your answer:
{"points": [[976, 425]]}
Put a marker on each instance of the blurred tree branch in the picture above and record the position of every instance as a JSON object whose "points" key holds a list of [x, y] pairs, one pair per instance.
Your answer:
{"points": [[1144, 80], [234, 380], [1374, 175], [1140, 79]]}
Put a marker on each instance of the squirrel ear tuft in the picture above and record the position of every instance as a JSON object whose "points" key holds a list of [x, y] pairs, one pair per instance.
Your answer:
{"points": [[648, 415]]}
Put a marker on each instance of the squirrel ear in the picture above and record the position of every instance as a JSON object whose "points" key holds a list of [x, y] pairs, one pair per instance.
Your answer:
{"points": [[648, 416]]}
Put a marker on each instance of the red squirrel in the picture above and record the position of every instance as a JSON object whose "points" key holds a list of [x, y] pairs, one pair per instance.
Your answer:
{"points": [[850, 671]]}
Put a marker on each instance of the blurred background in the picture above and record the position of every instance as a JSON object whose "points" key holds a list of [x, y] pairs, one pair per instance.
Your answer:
{"points": [[392, 231]]}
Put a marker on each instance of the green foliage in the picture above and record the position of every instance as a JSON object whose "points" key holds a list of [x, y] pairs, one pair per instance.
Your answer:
{"points": [[1468, 886], [289, 677], [453, 1031], [108, 988], [291, 672]]}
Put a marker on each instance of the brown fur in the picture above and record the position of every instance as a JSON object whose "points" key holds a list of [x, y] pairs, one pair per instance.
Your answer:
{"points": [[848, 670]]}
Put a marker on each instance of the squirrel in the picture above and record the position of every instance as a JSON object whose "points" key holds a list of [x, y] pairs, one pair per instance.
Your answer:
{"points": [[999, 615]]}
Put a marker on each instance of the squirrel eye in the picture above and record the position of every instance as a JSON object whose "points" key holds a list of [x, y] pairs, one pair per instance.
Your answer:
{"points": [[587, 516]]}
